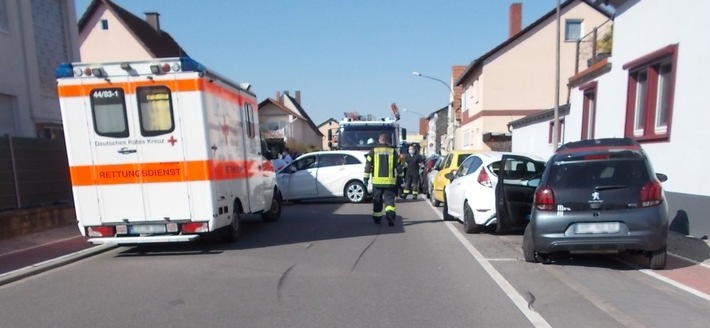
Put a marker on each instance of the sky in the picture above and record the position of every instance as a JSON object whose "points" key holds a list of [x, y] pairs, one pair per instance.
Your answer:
{"points": [[342, 55]]}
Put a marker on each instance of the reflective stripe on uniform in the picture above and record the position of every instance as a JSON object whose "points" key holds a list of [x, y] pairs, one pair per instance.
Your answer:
{"points": [[390, 208]]}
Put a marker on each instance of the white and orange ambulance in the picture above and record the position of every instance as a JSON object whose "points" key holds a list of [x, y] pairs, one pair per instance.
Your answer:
{"points": [[162, 150]]}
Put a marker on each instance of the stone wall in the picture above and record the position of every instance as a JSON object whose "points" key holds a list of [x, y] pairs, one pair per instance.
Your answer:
{"points": [[26, 221]]}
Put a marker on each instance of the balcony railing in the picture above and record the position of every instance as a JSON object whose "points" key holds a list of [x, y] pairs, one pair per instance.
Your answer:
{"points": [[594, 46]]}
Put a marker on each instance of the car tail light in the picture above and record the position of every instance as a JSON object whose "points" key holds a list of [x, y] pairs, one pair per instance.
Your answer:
{"points": [[484, 180], [195, 227], [651, 194], [544, 199], [102, 231]]}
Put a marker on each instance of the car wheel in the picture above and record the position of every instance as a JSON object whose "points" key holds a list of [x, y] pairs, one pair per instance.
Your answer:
{"points": [[469, 222], [355, 191], [657, 259], [274, 212], [434, 202], [528, 249], [234, 228], [447, 216]]}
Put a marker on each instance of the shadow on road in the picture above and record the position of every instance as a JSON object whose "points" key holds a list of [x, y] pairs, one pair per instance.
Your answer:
{"points": [[320, 220]]}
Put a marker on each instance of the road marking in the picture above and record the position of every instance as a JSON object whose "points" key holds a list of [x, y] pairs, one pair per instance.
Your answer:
{"points": [[690, 260], [502, 260], [669, 281], [535, 318], [38, 246], [594, 298]]}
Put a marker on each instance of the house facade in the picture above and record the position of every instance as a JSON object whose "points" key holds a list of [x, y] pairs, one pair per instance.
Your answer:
{"points": [[109, 33], [36, 36], [329, 125], [650, 90], [284, 123], [516, 78]]}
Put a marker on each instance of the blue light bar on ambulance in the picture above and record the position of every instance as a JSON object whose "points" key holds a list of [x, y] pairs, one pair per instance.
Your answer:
{"points": [[190, 65], [64, 70]]}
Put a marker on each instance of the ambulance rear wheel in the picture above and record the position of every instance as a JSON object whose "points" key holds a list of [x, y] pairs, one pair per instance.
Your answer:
{"points": [[274, 212], [234, 228]]}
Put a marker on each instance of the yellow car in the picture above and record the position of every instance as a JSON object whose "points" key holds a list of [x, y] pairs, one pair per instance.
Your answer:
{"points": [[452, 161]]}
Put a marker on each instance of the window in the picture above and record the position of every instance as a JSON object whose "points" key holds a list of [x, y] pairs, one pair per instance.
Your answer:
{"points": [[108, 108], [649, 104], [589, 110], [156, 110], [562, 131], [573, 29], [466, 138], [104, 24], [249, 115], [4, 24], [351, 160]]}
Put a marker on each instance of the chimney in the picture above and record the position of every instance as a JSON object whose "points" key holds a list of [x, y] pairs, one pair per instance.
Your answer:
{"points": [[278, 97], [298, 96], [152, 19], [515, 18]]}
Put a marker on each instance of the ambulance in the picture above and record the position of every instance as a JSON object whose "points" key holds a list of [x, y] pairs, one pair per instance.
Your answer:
{"points": [[163, 150]]}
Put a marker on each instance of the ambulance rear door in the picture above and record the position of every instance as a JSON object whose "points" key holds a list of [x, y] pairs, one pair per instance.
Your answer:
{"points": [[136, 148]]}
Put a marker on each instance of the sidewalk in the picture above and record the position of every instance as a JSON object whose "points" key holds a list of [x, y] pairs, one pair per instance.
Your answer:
{"points": [[28, 255]]}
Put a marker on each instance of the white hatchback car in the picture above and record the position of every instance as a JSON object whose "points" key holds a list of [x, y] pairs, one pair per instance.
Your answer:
{"points": [[325, 174], [472, 196]]}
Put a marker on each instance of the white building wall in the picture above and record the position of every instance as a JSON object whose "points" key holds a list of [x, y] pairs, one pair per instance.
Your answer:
{"points": [[637, 33], [532, 139]]}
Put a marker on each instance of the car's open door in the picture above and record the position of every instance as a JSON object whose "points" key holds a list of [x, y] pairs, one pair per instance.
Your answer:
{"points": [[514, 193]]}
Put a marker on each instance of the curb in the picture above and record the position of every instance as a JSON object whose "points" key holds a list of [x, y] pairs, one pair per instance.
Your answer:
{"points": [[28, 271]]}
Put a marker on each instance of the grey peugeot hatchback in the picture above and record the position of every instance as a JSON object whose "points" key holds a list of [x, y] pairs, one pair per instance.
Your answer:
{"points": [[598, 195]]}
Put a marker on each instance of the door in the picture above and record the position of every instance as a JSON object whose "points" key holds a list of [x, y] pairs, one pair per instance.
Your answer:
{"points": [[514, 197], [298, 179], [461, 185], [332, 175], [137, 154]]}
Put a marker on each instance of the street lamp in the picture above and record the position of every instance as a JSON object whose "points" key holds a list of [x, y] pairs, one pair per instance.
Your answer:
{"points": [[451, 118], [556, 125], [411, 111]]}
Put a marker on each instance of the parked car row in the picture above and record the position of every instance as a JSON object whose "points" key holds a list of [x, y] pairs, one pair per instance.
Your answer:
{"points": [[591, 196]]}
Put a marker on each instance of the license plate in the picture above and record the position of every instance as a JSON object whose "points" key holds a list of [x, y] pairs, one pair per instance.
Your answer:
{"points": [[597, 227], [146, 229]]}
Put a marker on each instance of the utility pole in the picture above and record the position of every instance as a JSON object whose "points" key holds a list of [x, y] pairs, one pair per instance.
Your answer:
{"points": [[556, 124]]}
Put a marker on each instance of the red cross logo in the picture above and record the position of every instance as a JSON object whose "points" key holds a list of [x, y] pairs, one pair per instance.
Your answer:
{"points": [[172, 141]]}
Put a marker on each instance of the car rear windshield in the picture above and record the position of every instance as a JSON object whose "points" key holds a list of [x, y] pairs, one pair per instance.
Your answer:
{"points": [[625, 171]]}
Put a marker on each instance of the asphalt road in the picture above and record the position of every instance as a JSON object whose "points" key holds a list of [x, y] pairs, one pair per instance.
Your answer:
{"points": [[326, 264]]}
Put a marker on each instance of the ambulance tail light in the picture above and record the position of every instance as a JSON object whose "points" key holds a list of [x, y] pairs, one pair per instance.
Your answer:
{"points": [[195, 227], [190, 65], [101, 231]]}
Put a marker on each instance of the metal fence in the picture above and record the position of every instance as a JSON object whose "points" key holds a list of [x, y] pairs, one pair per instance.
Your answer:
{"points": [[594, 46], [33, 172]]}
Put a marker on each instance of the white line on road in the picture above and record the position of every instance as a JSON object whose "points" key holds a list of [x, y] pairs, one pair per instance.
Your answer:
{"points": [[667, 280], [535, 318], [38, 246], [689, 260]]}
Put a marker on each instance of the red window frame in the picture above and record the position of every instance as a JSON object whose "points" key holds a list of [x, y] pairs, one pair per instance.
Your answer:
{"points": [[660, 65], [589, 110]]}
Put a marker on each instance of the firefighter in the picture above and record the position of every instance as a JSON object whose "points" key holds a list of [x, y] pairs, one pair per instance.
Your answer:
{"points": [[382, 163], [413, 163]]}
